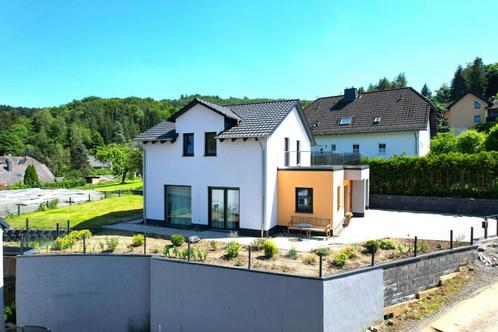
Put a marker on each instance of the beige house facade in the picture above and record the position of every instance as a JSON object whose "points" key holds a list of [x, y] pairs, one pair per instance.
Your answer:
{"points": [[467, 112]]}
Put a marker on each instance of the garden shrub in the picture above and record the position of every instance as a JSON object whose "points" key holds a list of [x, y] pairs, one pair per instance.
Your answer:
{"points": [[62, 243], [258, 244], [351, 251], [232, 250], [166, 250], [137, 240], [470, 141], [388, 244], [340, 259], [324, 251], [491, 142], [422, 247], [372, 246], [78, 235], [213, 245], [111, 243], [270, 248], [309, 259], [292, 253], [177, 239]]}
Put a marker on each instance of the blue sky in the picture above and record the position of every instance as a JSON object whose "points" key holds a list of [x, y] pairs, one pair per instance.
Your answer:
{"points": [[52, 52]]}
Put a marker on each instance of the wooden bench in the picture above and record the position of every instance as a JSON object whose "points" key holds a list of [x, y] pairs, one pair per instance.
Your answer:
{"points": [[310, 224]]}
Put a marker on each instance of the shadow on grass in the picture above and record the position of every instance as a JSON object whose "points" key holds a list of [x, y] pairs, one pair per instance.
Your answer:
{"points": [[95, 224]]}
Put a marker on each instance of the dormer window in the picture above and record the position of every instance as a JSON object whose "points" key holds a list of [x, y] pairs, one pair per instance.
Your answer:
{"points": [[345, 121], [477, 105], [376, 120]]}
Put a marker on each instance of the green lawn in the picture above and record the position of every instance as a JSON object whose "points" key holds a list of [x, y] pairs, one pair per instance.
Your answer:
{"points": [[91, 215], [116, 185]]}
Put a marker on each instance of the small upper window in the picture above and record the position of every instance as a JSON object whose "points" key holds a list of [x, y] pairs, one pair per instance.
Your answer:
{"points": [[188, 145], [304, 200], [477, 118], [376, 120], [477, 105], [345, 121], [210, 144], [382, 148], [333, 147], [356, 148]]}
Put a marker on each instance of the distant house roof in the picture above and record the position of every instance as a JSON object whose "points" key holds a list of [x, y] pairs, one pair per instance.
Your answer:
{"points": [[249, 120], [452, 103], [494, 106], [95, 163], [12, 170], [392, 110], [4, 225]]}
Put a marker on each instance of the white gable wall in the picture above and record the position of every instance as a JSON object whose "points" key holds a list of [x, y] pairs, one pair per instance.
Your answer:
{"points": [[237, 164], [293, 128], [397, 143]]}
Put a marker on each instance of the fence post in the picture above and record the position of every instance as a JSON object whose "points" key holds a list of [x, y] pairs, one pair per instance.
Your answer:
{"points": [[451, 239], [27, 223], [68, 227], [84, 244], [373, 258], [105, 194], [321, 264], [145, 244], [485, 226], [89, 198], [18, 209], [119, 192], [415, 247], [188, 249], [57, 229], [70, 201], [249, 261]]}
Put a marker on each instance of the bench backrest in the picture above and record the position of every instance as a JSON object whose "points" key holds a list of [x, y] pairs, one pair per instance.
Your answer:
{"points": [[310, 220]]}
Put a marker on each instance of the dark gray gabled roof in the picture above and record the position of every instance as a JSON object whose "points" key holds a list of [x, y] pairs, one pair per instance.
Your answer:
{"points": [[222, 110], [252, 120], [401, 109], [163, 131]]}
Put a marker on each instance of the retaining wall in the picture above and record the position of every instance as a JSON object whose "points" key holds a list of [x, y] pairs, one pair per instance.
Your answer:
{"points": [[452, 205]]}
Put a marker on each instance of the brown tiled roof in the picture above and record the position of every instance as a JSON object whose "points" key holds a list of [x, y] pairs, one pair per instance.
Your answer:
{"points": [[401, 109]]}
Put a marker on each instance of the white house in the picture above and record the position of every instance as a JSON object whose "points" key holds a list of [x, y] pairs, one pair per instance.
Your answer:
{"points": [[373, 124], [211, 166]]}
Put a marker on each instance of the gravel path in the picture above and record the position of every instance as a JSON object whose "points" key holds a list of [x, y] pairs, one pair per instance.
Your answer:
{"points": [[484, 276]]}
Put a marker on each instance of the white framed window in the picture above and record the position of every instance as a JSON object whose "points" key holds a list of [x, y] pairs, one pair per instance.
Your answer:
{"points": [[345, 121], [333, 147], [477, 105], [477, 118], [382, 148], [356, 148]]}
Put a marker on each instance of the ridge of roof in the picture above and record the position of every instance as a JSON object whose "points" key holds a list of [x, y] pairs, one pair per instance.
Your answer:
{"points": [[369, 92], [452, 103], [261, 102]]}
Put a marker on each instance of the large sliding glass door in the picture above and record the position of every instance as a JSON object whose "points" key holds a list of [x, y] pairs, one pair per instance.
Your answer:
{"points": [[224, 211], [178, 205]]}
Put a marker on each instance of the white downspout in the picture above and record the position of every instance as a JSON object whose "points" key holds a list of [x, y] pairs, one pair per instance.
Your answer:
{"points": [[415, 133], [263, 185]]}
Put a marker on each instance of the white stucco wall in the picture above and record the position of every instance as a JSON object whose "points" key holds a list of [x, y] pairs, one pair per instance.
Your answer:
{"points": [[291, 127], [237, 164], [396, 143]]}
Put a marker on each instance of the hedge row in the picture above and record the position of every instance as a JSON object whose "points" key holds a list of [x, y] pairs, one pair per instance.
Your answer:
{"points": [[444, 175]]}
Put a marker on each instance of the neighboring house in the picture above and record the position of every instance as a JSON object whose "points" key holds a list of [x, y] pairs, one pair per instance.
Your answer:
{"points": [[374, 124], [12, 170], [466, 112], [492, 112], [97, 164], [228, 167]]}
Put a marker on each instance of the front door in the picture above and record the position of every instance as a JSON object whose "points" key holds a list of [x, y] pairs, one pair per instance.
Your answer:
{"points": [[224, 208]]}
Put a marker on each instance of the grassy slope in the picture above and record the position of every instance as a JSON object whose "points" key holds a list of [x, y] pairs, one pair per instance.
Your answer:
{"points": [[114, 186], [91, 215]]}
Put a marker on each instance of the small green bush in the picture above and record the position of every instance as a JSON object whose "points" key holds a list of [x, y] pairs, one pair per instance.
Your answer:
{"points": [[324, 251], [372, 246], [42, 207], [270, 249], [167, 249], [292, 253], [62, 243], [78, 235], [232, 250], [388, 244], [403, 249], [340, 259], [258, 244], [9, 313], [201, 255], [422, 247], [309, 259], [213, 245], [111, 243], [137, 240], [177, 239], [52, 204], [351, 251]]}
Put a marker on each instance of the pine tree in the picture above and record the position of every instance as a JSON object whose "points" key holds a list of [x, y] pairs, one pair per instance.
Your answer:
{"points": [[118, 133], [459, 86], [79, 157], [31, 177], [426, 92], [399, 81], [383, 84], [476, 76]]}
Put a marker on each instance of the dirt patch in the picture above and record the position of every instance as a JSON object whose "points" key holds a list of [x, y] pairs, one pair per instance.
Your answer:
{"points": [[335, 259]]}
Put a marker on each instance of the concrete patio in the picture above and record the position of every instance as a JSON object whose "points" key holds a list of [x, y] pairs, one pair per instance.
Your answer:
{"points": [[375, 225]]}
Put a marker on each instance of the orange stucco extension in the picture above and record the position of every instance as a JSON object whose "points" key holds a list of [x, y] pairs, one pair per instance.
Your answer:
{"points": [[324, 191]]}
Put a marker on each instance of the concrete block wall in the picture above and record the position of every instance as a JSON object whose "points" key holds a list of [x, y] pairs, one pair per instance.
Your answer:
{"points": [[453, 205], [403, 279]]}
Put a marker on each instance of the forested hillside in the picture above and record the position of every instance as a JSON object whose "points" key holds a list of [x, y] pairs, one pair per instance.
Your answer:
{"points": [[59, 136]]}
